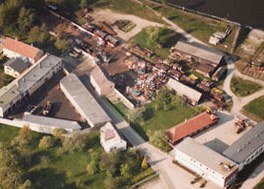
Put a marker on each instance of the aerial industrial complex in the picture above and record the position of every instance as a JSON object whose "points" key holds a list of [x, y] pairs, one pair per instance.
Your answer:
{"points": [[106, 83]]}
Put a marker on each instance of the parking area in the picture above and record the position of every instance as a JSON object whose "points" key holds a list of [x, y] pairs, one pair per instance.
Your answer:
{"points": [[220, 136]]}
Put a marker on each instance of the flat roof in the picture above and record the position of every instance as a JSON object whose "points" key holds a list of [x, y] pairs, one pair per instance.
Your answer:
{"points": [[206, 156], [184, 89], [200, 51], [17, 64], [37, 71], [109, 133], [241, 149], [8, 94], [51, 122], [85, 101]]}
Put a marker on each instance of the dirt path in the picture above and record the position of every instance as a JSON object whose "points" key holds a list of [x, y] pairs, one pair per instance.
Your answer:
{"points": [[110, 17]]}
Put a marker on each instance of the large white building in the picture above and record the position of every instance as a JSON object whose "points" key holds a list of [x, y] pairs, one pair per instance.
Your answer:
{"points": [[206, 162], [16, 49], [248, 147], [99, 81], [84, 102], [110, 139], [28, 82], [47, 124]]}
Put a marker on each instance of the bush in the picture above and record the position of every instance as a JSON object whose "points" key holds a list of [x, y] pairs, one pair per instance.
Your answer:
{"points": [[46, 142]]}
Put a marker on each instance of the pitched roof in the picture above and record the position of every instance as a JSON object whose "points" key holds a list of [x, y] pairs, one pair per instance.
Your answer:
{"points": [[184, 89], [21, 48], [191, 126], [200, 51], [17, 64], [240, 150]]}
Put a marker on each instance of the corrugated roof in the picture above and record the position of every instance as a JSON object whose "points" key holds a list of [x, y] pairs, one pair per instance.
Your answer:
{"points": [[200, 51], [240, 150], [207, 156], [21, 48], [182, 89], [191, 126], [17, 64], [51, 122], [84, 100]]}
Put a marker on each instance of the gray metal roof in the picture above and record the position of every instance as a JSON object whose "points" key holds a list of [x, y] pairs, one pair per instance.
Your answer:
{"points": [[206, 156], [8, 94], [200, 51], [240, 150], [51, 122], [37, 71], [84, 101], [182, 89], [17, 64]]}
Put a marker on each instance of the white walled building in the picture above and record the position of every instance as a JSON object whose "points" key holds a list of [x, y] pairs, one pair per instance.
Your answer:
{"points": [[110, 139], [206, 162], [84, 102], [16, 49], [102, 85], [28, 82], [47, 124], [15, 67]]}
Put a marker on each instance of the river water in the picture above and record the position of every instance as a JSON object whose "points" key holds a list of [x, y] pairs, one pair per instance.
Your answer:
{"points": [[246, 12]]}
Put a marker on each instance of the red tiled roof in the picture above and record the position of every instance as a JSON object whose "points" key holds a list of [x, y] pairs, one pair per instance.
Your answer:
{"points": [[191, 126], [21, 48]]}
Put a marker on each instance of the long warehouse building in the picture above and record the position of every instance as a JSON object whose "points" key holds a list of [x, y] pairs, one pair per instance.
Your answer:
{"points": [[83, 101]]}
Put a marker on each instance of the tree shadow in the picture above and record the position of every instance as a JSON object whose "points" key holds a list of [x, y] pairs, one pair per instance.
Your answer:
{"points": [[49, 178]]}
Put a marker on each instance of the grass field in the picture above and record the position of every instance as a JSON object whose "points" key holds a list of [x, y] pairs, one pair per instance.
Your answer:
{"points": [[256, 108], [158, 40], [242, 88], [198, 26], [128, 7]]}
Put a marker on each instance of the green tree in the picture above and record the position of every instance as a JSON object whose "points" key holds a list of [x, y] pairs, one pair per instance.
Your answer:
{"points": [[38, 35], [25, 19], [26, 185], [163, 99], [84, 3], [75, 142], [62, 44], [10, 171], [92, 168], [136, 115], [46, 142], [57, 132], [159, 139], [125, 171]]}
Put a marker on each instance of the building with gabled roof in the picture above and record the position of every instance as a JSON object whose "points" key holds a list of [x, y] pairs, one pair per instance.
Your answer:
{"points": [[191, 127], [14, 49], [110, 139], [100, 82], [206, 162], [184, 90], [84, 102], [16, 66]]}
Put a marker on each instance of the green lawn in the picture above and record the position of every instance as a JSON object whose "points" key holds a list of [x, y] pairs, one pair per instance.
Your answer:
{"points": [[7, 133], [243, 87], [256, 108], [159, 40]]}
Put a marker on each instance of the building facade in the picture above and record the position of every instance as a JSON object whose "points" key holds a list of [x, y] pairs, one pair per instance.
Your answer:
{"points": [[206, 162], [15, 67]]}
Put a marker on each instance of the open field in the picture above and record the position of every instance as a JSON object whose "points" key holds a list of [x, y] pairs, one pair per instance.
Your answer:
{"points": [[196, 25], [158, 40], [128, 7], [243, 87], [255, 108]]}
